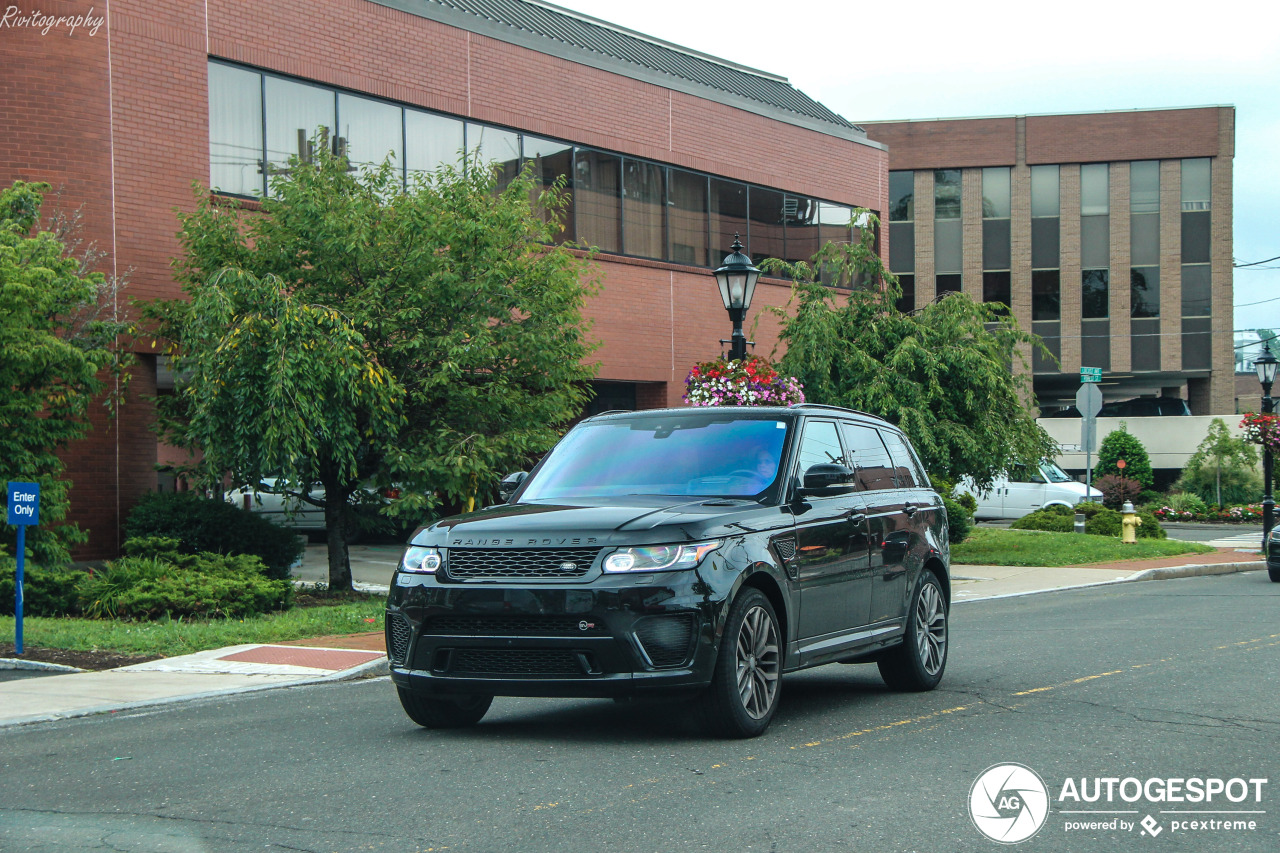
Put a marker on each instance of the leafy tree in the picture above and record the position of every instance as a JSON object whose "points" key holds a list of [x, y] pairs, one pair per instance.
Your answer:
{"points": [[1120, 444], [55, 339], [1222, 470], [355, 333], [944, 374]]}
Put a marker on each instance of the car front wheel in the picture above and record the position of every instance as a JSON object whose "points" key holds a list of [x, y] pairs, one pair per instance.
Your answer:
{"points": [[445, 712], [918, 663], [747, 681]]}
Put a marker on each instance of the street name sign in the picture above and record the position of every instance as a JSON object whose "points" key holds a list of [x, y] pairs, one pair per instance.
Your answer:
{"points": [[1091, 374]]}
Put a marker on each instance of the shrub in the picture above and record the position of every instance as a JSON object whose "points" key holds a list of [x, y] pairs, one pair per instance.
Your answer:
{"points": [[1187, 502], [1056, 519], [1099, 521], [1149, 497], [1116, 490], [210, 524], [1222, 471], [202, 585], [959, 520], [45, 592], [1118, 445]]}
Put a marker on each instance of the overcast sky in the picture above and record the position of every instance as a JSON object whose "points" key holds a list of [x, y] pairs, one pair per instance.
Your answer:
{"points": [[940, 60]]}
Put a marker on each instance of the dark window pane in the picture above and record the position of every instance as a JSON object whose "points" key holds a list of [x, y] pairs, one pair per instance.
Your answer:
{"points": [[946, 194], [495, 148], [907, 303], [1145, 341], [689, 221], [1196, 291], [1049, 333], [1093, 293], [235, 130], [1144, 292], [819, 446], [867, 455], [947, 251], [597, 200], [902, 195], [552, 161], [1044, 191], [1044, 243], [431, 141], [1144, 186], [996, 287], [1195, 237], [644, 207], [995, 193], [1095, 343], [295, 111], [1144, 240], [995, 244], [902, 246], [947, 283], [1196, 350], [728, 216], [801, 217], [1095, 241], [1046, 297], [612, 397], [766, 224], [372, 131], [903, 463]]}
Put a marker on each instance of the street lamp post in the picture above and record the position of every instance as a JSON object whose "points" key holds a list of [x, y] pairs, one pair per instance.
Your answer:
{"points": [[1265, 365], [737, 280]]}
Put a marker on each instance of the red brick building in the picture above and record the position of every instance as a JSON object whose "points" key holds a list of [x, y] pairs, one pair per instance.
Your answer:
{"points": [[669, 152]]}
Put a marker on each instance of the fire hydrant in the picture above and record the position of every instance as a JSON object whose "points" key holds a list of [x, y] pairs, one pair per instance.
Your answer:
{"points": [[1129, 524]]}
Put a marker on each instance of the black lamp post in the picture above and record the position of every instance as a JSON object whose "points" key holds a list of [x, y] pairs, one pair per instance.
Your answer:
{"points": [[737, 279], [1265, 365]]}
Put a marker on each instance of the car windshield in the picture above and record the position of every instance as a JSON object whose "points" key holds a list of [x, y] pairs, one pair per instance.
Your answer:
{"points": [[684, 454], [1053, 473]]}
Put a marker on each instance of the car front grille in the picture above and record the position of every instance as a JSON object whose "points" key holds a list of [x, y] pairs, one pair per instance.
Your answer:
{"points": [[519, 563], [666, 639], [398, 632], [502, 625], [516, 662]]}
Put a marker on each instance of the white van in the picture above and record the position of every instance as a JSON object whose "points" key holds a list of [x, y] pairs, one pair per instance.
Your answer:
{"points": [[1023, 491]]}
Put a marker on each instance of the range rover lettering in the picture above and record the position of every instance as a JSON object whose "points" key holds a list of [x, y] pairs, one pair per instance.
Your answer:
{"points": [[702, 551]]}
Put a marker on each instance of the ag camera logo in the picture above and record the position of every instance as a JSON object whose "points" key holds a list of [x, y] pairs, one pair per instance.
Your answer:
{"points": [[1008, 803]]}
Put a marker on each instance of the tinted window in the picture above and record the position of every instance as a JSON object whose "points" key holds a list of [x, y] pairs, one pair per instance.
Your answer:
{"points": [[868, 458], [820, 446], [906, 467]]}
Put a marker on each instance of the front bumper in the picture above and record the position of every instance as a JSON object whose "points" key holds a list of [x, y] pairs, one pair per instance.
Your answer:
{"points": [[613, 636]]}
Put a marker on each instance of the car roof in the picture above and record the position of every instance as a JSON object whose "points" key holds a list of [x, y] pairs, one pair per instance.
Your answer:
{"points": [[755, 411]]}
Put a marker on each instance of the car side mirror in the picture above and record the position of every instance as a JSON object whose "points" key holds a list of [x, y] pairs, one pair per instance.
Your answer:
{"points": [[507, 487], [826, 480]]}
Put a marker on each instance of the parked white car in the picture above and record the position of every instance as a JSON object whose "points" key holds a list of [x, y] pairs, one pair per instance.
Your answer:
{"points": [[300, 515], [1023, 491]]}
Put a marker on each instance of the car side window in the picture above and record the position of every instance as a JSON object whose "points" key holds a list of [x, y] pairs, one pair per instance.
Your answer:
{"points": [[820, 445], [905, 470], [867, 457]]}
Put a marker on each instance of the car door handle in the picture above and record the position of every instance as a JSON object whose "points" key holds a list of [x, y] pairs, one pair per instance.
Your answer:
{"points": [[909, 509]]}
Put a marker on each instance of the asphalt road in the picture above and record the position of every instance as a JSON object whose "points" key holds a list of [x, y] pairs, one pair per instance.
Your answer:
{"points": [[1187, 532], [1147, 680]]}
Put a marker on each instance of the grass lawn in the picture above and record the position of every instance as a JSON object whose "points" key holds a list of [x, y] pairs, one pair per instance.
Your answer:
{"points": [[179, 637], [988, 546]]}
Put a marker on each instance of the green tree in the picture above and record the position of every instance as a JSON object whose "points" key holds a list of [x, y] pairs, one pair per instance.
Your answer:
{"points": [[1120, 444], [945, 373], [1222, 470], [55, 340], [431, 338]]}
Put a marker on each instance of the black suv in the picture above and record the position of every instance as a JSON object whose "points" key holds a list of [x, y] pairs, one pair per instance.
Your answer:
{"points": [[704, 550]]}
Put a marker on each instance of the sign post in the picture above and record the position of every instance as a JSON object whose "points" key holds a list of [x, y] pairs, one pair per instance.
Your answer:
{"points": [[24, 511], [1089, 403]]}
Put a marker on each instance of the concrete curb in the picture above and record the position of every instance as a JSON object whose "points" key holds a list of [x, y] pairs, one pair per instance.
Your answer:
{"points": [[1168, 573], [36, 665]]}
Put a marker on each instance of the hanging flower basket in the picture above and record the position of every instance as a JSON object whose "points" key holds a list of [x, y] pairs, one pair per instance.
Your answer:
{"points": [[1263, 430], [751, 381]]}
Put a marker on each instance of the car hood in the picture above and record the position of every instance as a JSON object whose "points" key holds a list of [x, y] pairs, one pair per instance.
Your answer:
{"points": [[629, 520]]}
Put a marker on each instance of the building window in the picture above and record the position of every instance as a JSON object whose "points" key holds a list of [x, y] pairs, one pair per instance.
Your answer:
{"points": [[644, 206], [370, 131], [1144, 250], [800, 215], [728, 216], [996, 236], [1093, 293], [902, 235], [551, 161], [947, 241], [431, 141], [768, 238], [235, 130], [1197, 275], [902, 195], [1095, 241], [689, 221], [494, 148], [295, 113], [1144, 292], [1046, 285], [597, 185]]}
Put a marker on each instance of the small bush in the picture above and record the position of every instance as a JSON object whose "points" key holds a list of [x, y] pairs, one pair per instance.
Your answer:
{"points": [[1148, 497], [1099, 521], [959, 520], [210, 524], [202, 585], [1118, 445], [1116, 490], [1056, 519], [45, 592], [1187, 502]]}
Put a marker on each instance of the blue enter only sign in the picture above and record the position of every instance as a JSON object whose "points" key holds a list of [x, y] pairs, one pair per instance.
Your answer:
{"points": [[24, 503]]}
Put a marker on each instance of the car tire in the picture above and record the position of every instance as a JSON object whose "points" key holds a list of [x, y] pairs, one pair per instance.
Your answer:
{"points": [[445, 712], [1273, 572], [919, 662], [747, 680]]}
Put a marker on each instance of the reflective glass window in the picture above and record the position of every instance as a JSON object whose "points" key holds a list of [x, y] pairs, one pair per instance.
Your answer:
{"points": [[1046, 295], [1095, 241], [947, 249], [597, 186], [1094, 293], [371, 130], [1144, 186], [431, 141], [1196, 291], [1196, 340], [1051, 334], [902, 194], [801, 215], [1144, 239], [1195, 184], [1044, 242], [995, 193], [644, 207], [995, 244], [902, 246], [1144, 337], [1044, 191], [689, 219], [905, 468], [907, 302], [497, 148], [728, 217], [1095, 343], [1195, 237], [1094, 189], [997, 287], [295, 113], [946, 194], [767, 229], [833, 221], [1144, 292], [552, 161], [867, 457], [235, 130]]}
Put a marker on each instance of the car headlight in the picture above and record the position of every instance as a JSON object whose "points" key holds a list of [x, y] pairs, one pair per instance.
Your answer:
{"points": [[659, 558], [419, 559]]}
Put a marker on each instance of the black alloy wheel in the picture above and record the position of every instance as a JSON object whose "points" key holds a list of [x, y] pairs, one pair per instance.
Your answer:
{"points": [[919, 662], [747, 680]]}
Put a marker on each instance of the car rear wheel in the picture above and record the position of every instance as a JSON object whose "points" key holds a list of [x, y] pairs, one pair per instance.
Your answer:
{"points": [[918, 663], [747, 681], [1273, 572], [444, 712]]}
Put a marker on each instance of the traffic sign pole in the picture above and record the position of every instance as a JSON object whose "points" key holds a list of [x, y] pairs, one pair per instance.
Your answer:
{"points": [[24, 510], [17, 590]]}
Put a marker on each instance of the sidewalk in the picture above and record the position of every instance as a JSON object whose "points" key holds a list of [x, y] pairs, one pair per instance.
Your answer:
{"points": [[241, 669]]}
